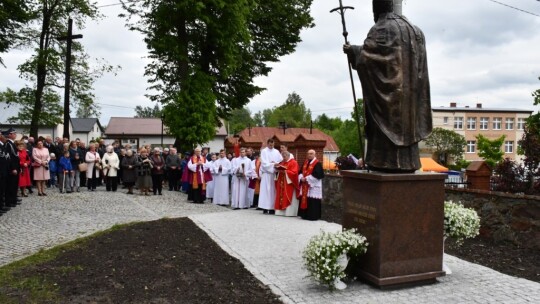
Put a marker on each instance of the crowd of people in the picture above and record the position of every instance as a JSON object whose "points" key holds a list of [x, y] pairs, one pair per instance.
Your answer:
{"points": [[270, 181]]}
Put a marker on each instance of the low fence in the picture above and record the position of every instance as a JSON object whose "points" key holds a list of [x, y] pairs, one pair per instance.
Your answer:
{"points": [[504, 217]]}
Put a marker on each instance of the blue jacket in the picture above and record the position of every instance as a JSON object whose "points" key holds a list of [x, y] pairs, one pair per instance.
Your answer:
{"points": [[52, 166], [64, 164]]}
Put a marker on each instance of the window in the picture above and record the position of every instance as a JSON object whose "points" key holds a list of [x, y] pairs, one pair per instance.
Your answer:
{"points": [[471, 146], [484, 122], [508, 147], [445, 120], [458, 123], [497, 122], [509, 124], [521, 123], [471, 123]]}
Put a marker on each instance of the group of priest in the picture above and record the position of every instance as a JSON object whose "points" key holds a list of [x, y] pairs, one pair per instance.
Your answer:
{"points": [[271, 181]]}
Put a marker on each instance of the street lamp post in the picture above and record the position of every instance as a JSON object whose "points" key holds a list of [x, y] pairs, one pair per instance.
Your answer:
{"points": [[162, 117]]}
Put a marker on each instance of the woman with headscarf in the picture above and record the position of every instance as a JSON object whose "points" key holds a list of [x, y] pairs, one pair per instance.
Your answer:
{"points": [[129, 173], [158, 171], [144, 172], [111, 165]]}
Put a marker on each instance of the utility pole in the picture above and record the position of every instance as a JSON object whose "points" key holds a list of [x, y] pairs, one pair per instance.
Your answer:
{"points": [[69, 38], [162, 118]]}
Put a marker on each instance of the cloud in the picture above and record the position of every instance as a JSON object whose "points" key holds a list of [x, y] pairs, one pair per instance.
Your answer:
{"points": [[478, 51]]}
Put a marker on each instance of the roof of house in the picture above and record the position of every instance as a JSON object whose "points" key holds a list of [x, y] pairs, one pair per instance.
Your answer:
{"points": [[84, 125], [480, 110], [262, 134], [142, 126]]}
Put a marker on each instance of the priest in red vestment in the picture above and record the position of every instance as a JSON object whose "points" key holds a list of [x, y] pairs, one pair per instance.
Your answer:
{"points": [[286, 186]]}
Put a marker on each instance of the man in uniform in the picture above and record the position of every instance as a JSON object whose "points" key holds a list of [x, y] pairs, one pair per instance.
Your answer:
{"points": [[4, 172], [12, 180]]}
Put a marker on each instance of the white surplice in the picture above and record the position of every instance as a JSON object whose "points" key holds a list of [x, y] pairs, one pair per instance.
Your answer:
{"points": [[210, 184], [239, 190], [221, 182], [267, 195]]}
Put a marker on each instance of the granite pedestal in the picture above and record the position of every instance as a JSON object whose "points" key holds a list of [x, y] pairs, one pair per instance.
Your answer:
{"points": [[402, 217]]}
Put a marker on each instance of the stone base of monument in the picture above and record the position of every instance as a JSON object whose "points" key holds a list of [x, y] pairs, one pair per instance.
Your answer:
{"points": [[402, 217]]}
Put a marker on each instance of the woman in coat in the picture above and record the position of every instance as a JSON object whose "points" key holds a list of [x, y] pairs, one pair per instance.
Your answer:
{"points": [[129, 173], [92, 173], [144, 172], [158, 171], [24, 161], [41, 158], [111, 165]]}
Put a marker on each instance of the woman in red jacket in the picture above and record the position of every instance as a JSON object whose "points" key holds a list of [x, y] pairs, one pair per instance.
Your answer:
{"points": [[24, 160]]}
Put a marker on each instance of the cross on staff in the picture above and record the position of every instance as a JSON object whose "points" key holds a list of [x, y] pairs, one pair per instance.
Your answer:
{"points": [[341, 10], [69, 38]]}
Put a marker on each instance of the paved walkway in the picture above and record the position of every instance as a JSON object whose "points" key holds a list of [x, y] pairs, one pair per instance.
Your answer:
{"points": [[269, 246]]}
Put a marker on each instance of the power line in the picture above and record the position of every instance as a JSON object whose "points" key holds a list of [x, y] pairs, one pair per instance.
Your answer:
{"points": [[118, 3], [515, 8]]}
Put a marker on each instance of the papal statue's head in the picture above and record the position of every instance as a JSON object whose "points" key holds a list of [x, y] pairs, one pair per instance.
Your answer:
{"points": [[381, 7]]}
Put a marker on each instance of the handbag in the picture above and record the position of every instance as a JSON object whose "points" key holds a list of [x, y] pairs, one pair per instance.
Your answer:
{"points": [[83, 167]]}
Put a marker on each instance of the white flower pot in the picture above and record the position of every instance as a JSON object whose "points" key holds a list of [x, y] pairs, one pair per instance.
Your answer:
{"points": [[339, 285], [342, 261]]}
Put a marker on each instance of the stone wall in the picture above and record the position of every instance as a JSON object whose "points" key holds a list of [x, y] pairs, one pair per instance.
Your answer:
{"points": [[332, 189], [504, 217]]}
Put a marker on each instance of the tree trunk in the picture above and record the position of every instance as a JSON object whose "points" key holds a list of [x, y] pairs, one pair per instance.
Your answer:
{"points": [[41, 72]]}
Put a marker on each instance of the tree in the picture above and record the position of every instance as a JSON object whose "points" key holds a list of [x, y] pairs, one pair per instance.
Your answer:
{"points": [[325, 123], [293, 112], [346, 137], [148, 112], [45, 69], [529, 145], [239, 120], [51, 114], [446, 144], [490, 150], [13, 15], [206, 54]]}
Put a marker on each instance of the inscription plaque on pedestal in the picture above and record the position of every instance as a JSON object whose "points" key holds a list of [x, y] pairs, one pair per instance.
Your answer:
{"points": [[402, 217]]}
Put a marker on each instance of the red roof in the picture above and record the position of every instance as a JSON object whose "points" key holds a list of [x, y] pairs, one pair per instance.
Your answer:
{"points": [[262, 134]]}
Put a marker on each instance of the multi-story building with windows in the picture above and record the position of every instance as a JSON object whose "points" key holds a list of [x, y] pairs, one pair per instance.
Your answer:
{"points": [[490, 122]]}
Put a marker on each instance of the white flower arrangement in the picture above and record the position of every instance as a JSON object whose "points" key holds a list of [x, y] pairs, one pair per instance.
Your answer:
{"points": [[323, 250], [459, 222]]}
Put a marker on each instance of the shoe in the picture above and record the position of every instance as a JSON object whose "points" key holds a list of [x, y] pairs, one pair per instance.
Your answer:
{"points": [[265, 211], [26, 195], [39, 194], [271, 211], [160, 193], [5, 209], [44, 194], [236, 208]]}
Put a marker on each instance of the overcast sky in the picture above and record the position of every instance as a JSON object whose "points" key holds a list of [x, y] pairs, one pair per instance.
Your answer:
{"points": [[478, 52]]}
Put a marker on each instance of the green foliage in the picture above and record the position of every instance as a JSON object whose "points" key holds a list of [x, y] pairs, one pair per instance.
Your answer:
{"points": [[446, 144], [490, 150], [293, 112], [239, 120], [346, 137], [24, 99], [148, 112], [13, 15], [228, 42], [326, 123], [536, 95], [45, 69]]}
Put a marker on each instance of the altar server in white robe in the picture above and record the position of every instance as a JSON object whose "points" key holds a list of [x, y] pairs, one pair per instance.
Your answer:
{"points": [[270, 158], [242, 171], [221, 170], [210, 185]]}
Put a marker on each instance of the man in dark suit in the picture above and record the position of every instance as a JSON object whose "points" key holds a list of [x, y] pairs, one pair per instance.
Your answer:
{"points": [[12, 182], [4, 171]]}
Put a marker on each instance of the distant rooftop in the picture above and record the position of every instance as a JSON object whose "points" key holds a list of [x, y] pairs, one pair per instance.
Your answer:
{"points": [[479, 108], [124, 126], [84, 125]]}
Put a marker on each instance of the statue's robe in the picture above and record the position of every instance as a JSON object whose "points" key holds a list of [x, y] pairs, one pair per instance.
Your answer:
{"points": [[392, 66]]}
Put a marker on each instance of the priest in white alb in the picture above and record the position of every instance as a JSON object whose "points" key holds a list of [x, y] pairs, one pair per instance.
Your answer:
{"points": [[221, 171], [270, 158], [241, 172]]}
